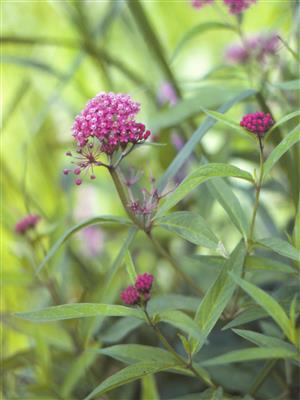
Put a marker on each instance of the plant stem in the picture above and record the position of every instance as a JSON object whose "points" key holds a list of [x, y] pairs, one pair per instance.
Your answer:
{"points": [[115, 174], [186, 364], [262, 376], [174, 264], [257, 191]]}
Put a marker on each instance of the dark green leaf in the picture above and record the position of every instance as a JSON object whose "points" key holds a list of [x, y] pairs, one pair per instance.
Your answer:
{"points": [[262, 340]]}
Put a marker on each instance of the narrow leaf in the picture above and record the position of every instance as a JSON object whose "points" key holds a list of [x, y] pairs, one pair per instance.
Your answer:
{"points": [[191, 227], [80, 310], [120, 329], [268, 264], [183, 322], [251, 354], [198, 176], [262, 340], [129, 374], [292, 138], [219, 294], [281, 247], [196, 137], [267, 302], [130, 268], [103, 219], [222, 192], [282, 121]]}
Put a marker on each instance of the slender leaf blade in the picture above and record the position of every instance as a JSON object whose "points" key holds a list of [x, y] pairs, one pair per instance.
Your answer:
{"points": [[191, 227], [198, 176], [79, 310], [281, 247]]}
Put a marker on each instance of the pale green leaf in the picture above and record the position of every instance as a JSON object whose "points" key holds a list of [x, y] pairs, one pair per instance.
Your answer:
{"points": [[198, 176], [149, 388], [191, 227], [80, 310], [251, 354], [130, 268], [281, 247], [228, 200], [292, 138], [284, 119], [103, 219], [120, 329], [262, 340], [183, 322], [219, 294], [268, 303], [268, 264], [129, 374]]}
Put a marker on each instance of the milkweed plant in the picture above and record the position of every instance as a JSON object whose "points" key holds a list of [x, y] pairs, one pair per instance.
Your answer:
{"points": [[189, 287]]}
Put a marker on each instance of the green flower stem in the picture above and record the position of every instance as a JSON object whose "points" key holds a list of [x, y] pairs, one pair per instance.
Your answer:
{"points": [[186, 364], [257, 191], [115, 174]]}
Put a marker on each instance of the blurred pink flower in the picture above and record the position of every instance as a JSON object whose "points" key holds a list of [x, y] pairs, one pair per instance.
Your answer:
{"points": [[259, 47], [26, 223], [130, 296], [167, 94], [200, 3], [144, 282], [238, 6], [93, 239]]}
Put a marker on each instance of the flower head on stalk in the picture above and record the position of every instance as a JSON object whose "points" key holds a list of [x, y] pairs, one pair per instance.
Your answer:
{"points": [[107, 126], [200, 3], [258, 123], [259, 47], [26, 223], [140, 292], [238, 6]]}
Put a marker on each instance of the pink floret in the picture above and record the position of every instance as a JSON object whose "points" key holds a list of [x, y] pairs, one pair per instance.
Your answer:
{"points": [[130, 296], [238, 6], [144, 282], [109, 117], [26, 223], [200, 3], [258, 122]]}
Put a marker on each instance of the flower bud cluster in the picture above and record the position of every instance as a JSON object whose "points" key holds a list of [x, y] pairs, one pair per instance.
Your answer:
{"points": [[258, 123], [28, 222], [140, 291]]}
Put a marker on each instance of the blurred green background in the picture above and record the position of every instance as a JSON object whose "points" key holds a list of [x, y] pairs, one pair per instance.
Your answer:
{"points": [[55, 56]]}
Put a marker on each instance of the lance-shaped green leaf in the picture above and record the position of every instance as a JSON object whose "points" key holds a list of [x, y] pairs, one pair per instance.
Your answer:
{"points": [[284, 119], [129, 374], [251, 354], [130, 267], [232, 124], [268, 303], [173, 302], [120, 329], [198, 176], [262, 340], [253, 313], [80, 310], [196, 30], [268, 264], [228, 200], [196, 137], [292, 138], [288, 85], [281, 247], [191, 227], [103, 219], [219, 294], [132, 353], [183, 322]]}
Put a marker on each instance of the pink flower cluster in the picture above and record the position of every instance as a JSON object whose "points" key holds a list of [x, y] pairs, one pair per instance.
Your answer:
{"points": [[258, 47], [26, 223], [238, 6], [200, 3], [235, 6], [110, 118], [167, 94], [105, 125], [258, 123], [140, 291]]}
